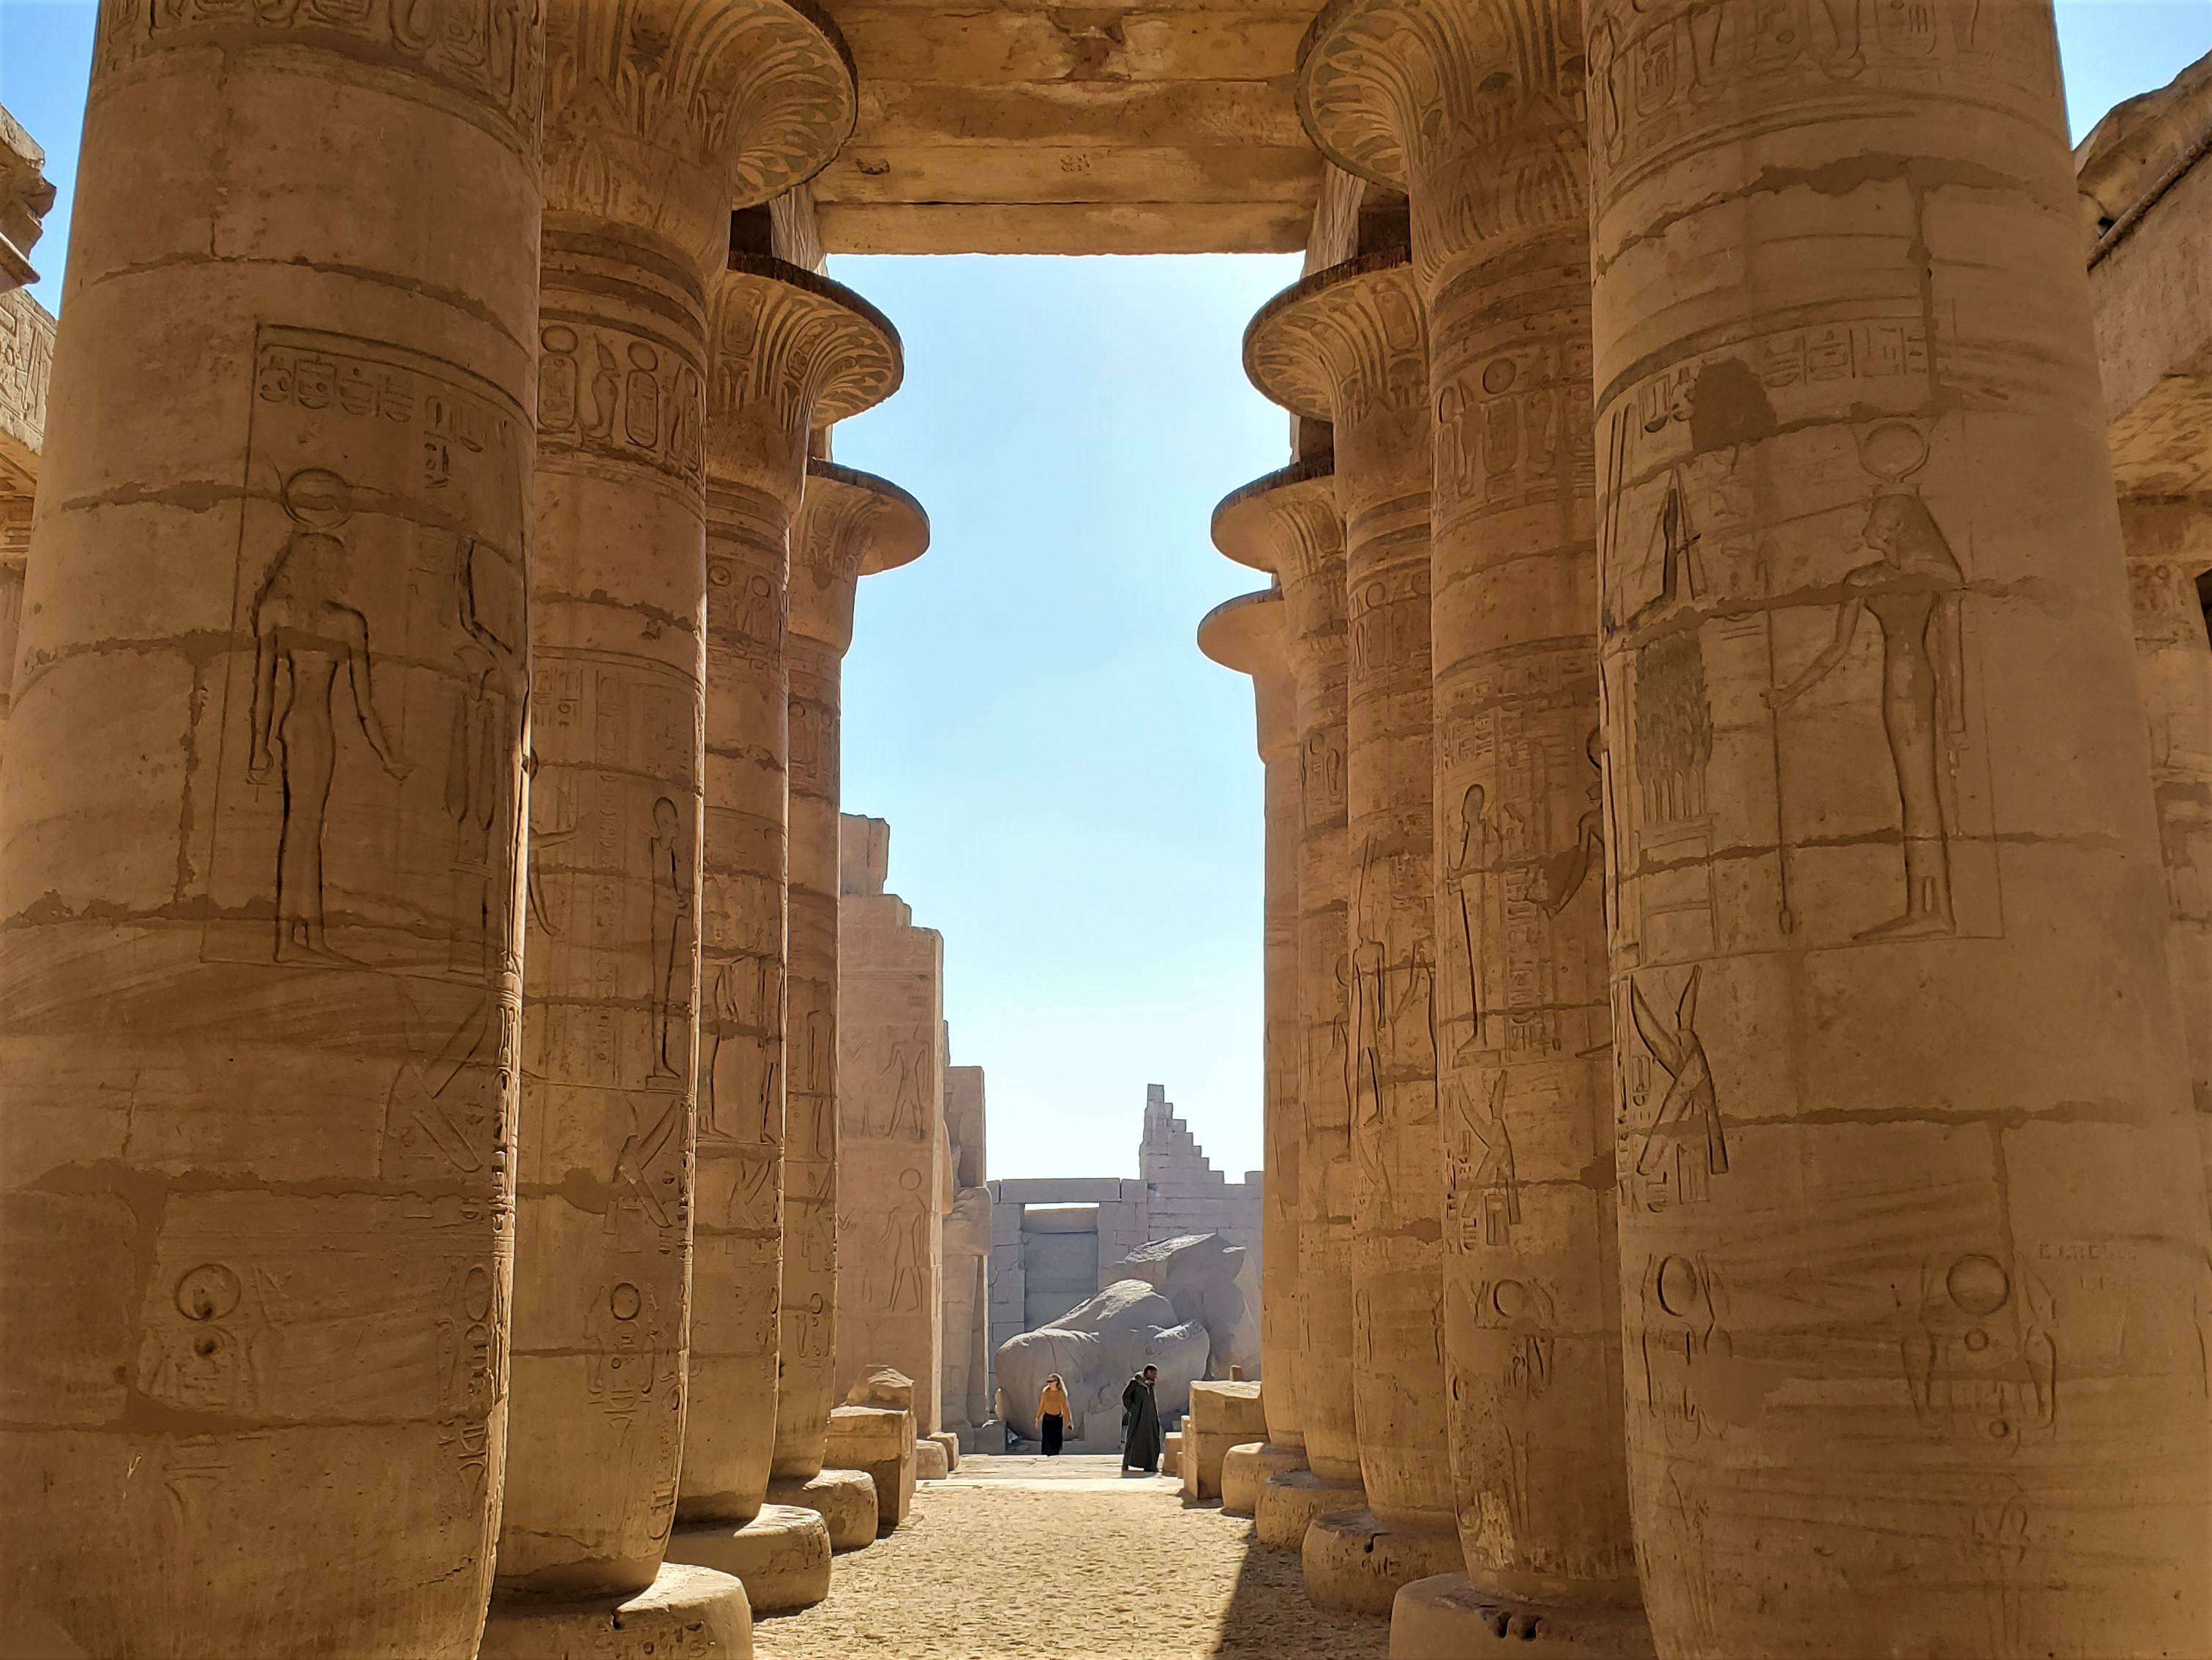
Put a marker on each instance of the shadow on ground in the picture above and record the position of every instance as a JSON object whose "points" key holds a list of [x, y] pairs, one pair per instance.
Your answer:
{"points": [[1268, 1617]]}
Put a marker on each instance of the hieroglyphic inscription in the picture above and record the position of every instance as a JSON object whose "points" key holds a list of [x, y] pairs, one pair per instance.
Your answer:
{"points": [[606, 392]]}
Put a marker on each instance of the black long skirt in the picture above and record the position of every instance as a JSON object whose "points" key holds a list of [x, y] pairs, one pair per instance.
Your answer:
{"points": [[1052, 1427]]}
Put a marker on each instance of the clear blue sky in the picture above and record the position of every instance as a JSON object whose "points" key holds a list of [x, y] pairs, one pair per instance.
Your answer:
{"points": [[1074, 795]]}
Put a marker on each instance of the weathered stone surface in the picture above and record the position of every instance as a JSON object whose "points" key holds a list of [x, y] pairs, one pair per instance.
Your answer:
{"points": [[782, 1552], [259, 935], [1292, 1503], [1096, 1347], [950, 1441], [25, 198], [1356, 1562], [1249, 1465], [688, 1611], [891, 1150], [1222, 1415], [1873, 812], [845, 1500], [850, 524], [966, 1400], [792, 351], [1446, 1618], [930, 1462], [877, 1441]]}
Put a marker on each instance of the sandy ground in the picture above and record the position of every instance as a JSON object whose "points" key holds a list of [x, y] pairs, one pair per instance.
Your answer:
{"points": [[1064, 1559]]}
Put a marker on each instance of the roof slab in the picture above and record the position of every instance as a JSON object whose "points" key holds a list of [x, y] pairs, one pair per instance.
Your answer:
{"points": [[1011, 126]]}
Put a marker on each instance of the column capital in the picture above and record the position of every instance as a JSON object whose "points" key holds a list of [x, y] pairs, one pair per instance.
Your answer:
{"points": [[789, 352], [1288, 525], [1474, 108], [1247, 633], [851, 525], [1345, 343], [662, 115]]}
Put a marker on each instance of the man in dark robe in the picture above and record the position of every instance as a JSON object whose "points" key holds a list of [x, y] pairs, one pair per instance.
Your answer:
{"points": [[1141, 1423]]}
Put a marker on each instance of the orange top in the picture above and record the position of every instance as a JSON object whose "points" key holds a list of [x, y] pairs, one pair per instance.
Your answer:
{"points": [[1053, 1402]]}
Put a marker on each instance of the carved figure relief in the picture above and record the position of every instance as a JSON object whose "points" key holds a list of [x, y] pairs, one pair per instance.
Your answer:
{"points": [[199, 1353], [633, 1366], [1484, 1189], [357, 777], [1684, 1145], [667, 850], [1981, 1358], [650, 1201], [908, 1238], [1912, 591], [1683, 1340], [445, 1109], [741, 1067], [1524, 1314]]}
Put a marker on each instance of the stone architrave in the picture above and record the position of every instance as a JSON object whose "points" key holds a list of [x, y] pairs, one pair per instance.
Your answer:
{"points": [[789, 351], [747, 99], [850, 524], [258, 931], [1248, 634], [1474, 109], [890, 1129], [1902, 1087], [1289, 523], [1346, 345]]}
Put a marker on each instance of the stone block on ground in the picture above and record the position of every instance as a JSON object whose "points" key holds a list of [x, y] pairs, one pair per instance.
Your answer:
{"points": [[930, 1463], [1445, 1618], [1248, 1466], [690, 1611], [1171, 1453], [782, 1555], [845, 1500], [881, 1386], [1222, 1415], [879, 1441], [949, 1440], [1353, 1563]]}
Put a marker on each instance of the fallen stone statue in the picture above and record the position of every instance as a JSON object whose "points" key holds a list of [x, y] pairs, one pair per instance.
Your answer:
{"points": [[1096, 1346], [1212, 1282]]}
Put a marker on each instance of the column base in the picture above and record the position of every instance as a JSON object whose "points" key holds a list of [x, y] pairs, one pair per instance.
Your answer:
{"points": [[782, 1555], [950, 1443], [930, 1462], [1289, 1504], [1356, 1564], [1245, 1466], [844, 1499], [686, 1610], [1445, 1618]]}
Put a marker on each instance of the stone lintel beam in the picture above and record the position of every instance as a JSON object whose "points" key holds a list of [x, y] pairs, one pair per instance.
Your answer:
{"points": [[851, 524]]}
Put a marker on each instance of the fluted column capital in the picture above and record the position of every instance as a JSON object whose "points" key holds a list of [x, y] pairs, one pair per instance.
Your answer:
{"points": [[1343, 344], [1288, 525], [789, 352], [1247, 633], [851, 525], [1474, 108], [662, 115]]}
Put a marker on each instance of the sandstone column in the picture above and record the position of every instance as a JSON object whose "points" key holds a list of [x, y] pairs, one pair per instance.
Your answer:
{"points": [[258, 927], [1347, 344], [746, 100], [1473, 109], [890, 1146], [851, 524], [790, 351], [1912, 1221], [1287, 523]]}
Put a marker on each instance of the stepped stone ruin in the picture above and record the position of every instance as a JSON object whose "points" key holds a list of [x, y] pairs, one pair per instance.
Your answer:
{"points": [[481, 1171]]}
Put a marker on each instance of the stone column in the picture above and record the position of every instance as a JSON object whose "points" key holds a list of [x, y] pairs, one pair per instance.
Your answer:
{"points": [[850, 524], [1481, 125], [27, 355], [790, 350], [1291, 518], [890, 1147], [257, 924], [641, 173], [1347, 344], [1902, 1103], [1246, 633]]}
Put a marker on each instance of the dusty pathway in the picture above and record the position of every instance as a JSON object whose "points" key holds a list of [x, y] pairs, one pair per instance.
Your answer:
{"points": [[1063, 1558]]}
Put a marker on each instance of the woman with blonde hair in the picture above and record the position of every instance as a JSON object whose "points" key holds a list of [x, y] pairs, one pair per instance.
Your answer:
{"points": [[1053, 1414]]}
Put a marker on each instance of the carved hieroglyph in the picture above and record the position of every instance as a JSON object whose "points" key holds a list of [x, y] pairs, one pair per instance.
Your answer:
{"points": [[891, 1132], [1474, 108], [1902, 1098], [850, 524], [258, 916], [1347, 345], [791, 351], [642, 171], [1248, 634], [1288, 522]]}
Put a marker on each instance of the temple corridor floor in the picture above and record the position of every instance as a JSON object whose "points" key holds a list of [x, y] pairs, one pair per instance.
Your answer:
{"points": [[1064, 1559]]}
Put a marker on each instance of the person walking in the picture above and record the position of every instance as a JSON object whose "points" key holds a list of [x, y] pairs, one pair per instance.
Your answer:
{"points": [[1053, 1417], [1141, 1416]]}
